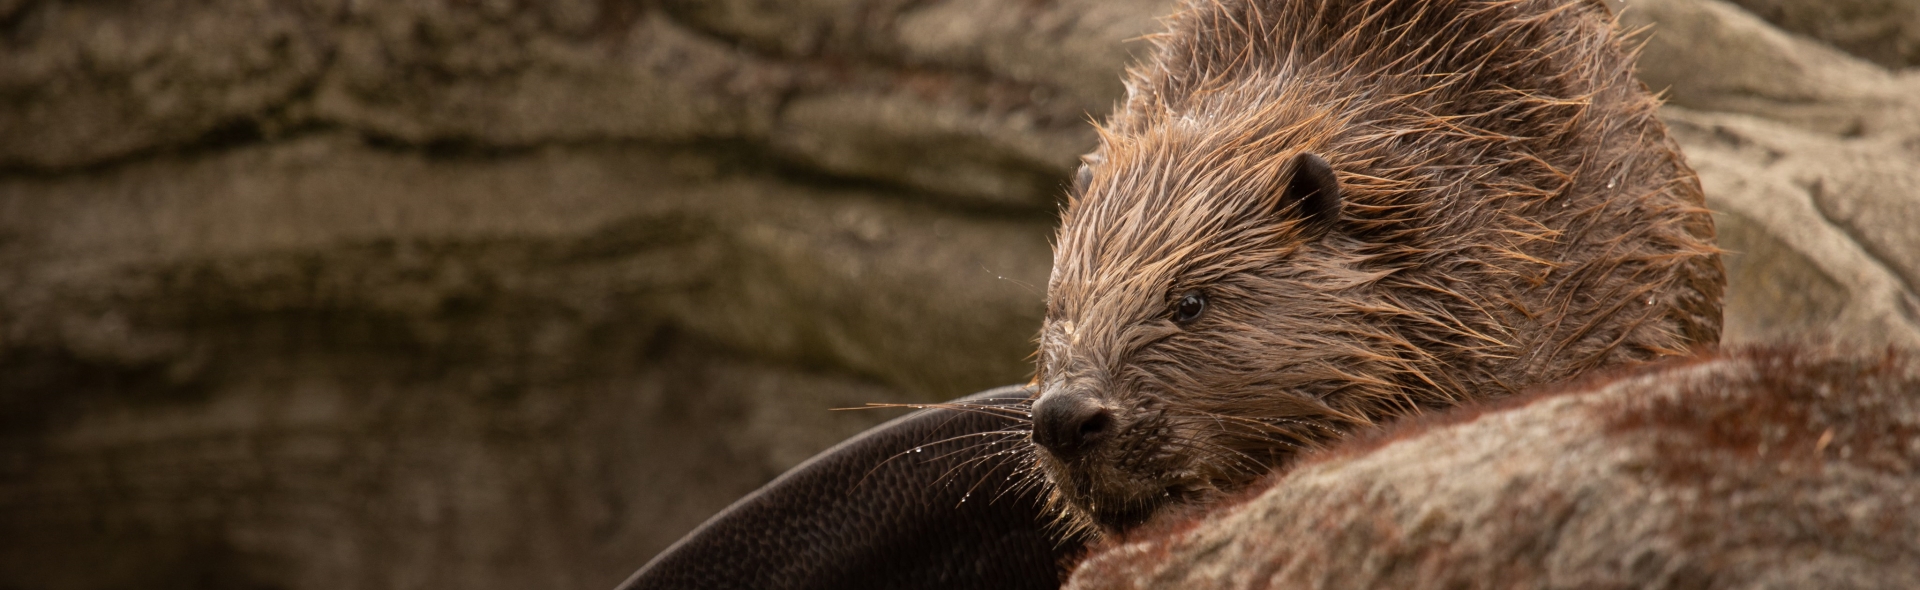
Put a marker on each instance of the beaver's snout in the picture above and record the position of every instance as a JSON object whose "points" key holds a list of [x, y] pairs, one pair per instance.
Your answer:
{"points": [[1070, 424]]}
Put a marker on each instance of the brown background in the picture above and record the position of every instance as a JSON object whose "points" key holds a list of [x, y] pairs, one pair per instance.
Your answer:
{"points": [[496, 294]]}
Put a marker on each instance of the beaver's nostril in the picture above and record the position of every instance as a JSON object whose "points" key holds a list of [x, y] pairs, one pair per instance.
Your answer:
{"points": [[1069, 424], [1094, 424]]}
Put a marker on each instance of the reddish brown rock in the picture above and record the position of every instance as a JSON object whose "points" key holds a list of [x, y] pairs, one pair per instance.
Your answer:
{"points": [[1752, 469]]}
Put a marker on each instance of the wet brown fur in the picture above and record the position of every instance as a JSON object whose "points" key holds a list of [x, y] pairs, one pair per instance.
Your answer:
{"points": [[1513, 215]]}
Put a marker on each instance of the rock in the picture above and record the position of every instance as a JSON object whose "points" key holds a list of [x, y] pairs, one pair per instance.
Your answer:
{"points": [[1875, 196], [1795, 271], [92, 83], [1885, 32], [843, 278], [1809, 142], [381, 466], [948, 150], [425, 72], [84, 82], [475, 329], [1751, 470], [1070, 48], [1711, 55]]}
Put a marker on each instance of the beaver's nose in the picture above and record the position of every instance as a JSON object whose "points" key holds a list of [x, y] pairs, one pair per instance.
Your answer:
{"points": [[1069, 423]]}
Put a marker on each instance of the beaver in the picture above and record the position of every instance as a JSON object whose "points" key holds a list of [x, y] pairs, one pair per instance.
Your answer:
{"points": [[1312, 216]]}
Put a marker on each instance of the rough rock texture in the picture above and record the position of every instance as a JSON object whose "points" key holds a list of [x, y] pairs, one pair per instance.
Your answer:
{"points": [[328, 294], [1811, 162], [1886, 32], [983, 101], [1755, 470], [434, 293]]}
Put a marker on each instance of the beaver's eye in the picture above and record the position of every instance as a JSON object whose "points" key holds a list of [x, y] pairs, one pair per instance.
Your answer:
{"points": [[1190, 307]]}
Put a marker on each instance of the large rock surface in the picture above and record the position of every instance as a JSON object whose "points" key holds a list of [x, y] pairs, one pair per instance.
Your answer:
{"points": [[328, 294], [1756, 470], [431, 293], [1810, 158]]}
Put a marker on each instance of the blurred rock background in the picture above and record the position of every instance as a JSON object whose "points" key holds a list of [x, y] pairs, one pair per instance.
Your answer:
{"points": [[493, 294]]}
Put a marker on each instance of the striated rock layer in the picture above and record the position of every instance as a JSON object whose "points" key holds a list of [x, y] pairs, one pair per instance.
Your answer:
{"points": [[327, 294]]}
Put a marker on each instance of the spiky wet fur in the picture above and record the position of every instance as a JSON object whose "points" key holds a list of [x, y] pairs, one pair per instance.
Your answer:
{"points": [[1514, 214]]}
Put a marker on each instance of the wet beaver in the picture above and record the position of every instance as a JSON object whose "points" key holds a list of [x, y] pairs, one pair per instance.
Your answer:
{"points": [[1310, 216]]}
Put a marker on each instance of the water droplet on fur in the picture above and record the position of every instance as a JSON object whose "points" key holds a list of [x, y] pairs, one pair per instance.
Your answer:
{"points": [[1649, 300], [1611, 183]]}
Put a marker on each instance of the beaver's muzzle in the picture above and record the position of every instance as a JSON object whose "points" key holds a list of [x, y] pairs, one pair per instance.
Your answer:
{"points": [[1070, 423]]}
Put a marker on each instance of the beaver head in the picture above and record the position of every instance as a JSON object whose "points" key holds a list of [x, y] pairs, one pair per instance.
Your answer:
{"points": [[1310, 217]]}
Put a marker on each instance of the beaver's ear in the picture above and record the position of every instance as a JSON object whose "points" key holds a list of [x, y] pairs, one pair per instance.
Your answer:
{"points": [[1081, 179], [1084, 176], [1312, 191]]}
